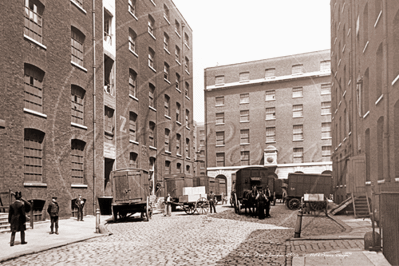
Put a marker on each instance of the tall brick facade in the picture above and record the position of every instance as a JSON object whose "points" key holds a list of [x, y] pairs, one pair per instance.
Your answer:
{"points": [[57, 112], [273, 111]]}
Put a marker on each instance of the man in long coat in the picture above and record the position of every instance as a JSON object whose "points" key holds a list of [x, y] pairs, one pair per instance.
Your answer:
{"points": [[80, 204], [17, 218], [53, 210]]}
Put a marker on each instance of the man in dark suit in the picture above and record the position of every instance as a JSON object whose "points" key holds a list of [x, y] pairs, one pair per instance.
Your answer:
{"points": [[17, 218], [53, 210], [212, 202], [268, 195], [80, 204]]}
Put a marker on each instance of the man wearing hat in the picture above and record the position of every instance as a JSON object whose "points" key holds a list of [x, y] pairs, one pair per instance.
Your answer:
{"points": [[17, 218], [80, 204], [53, 210]]}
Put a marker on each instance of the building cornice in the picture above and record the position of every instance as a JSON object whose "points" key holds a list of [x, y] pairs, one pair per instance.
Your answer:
{"points": [[278, 165]]}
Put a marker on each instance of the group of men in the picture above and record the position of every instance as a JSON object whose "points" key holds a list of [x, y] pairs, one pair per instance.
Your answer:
{"points": [[263, 198], [18, 210]]}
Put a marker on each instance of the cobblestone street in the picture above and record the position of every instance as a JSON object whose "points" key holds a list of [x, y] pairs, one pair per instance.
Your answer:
{"points": [[216, 239]]}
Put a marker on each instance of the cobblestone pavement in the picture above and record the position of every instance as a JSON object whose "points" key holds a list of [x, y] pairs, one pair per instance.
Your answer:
{"points": [[218, 239]]}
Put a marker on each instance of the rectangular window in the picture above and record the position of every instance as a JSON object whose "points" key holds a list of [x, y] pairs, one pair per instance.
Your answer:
{"points": [[298, 155], [33, 80], [177, 27], [270, 134], [270, 73], [244, 116], [187, 118], [202, 165], [166, 105], [326, 130], [151, 25], [109, 122], [166, 12], [132, 83], [244, 136], [244, 76], [167, 142], [220, 159], [177, 112], [219, 100], [220, 138], [325, 89], [165, 41], [132, 126], [107, 27], [177, 53], [167, 167], [297, 69], [326, 153], [245, 158], [132, 6], [133, 162], [325, 66], [132, 40], [188, 148], [178, 143], [151, 134], [219, 80], [166, 71], [270, 95], [151, 92], [186, 40], [186, 64], [244, 98], [33, 155], [77, 101], [202, 142], [297, 92], [177, 81], [271, 113], [77, 40], [151, 56], [186, 89], [219, 118], [297, 133], [33, 19], [77, 161], [297, 110], [325, 108]]}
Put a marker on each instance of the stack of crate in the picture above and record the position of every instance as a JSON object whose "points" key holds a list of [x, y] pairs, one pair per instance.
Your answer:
{"points": [[192, 194]]}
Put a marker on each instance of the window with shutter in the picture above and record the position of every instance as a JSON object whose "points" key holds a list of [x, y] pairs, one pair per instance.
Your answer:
{"points": [[187, 147], [151, 92], [132, 40], [177, 53], [109, 122], [298, 155], [132, 83], [270, 134], [244, 116], [133, 126], [244, 136], [220, 159], [244, 157], [167, 143], [166, 71], [270, 95], [77, 41], [33, 155], [33, 79], [178, 144], [297, 110], [77, 104], [298, 133], [297, 92], [151, 56], [34, 19], [220, 138], [187, 118], [271, 113], [77, 161], [166, 105], [177, 112]]}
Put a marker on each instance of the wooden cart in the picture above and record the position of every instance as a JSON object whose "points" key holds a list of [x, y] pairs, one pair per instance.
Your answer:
{"points": [[130, 190], [192, 204]]}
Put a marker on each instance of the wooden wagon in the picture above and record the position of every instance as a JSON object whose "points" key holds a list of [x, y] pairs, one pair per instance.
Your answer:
{"points": [[217, 185], [130, 191]]}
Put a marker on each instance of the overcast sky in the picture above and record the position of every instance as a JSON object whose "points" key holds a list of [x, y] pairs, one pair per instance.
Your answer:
{"points": [[232, 31]]}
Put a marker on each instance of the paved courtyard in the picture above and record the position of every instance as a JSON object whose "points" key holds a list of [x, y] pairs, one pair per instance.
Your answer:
{"points": [[224, 238]]}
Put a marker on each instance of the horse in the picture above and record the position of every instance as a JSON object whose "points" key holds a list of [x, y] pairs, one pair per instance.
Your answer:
{"points": [[250, 202]]}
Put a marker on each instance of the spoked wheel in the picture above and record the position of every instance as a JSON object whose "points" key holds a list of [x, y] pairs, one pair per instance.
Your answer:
{"points": [[202, 206], [293, 204], [189, 209]]}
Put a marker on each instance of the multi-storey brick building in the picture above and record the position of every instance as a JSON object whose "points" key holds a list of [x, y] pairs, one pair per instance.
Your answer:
{"points": [[200, 150], [269, 112], [106, 78]]}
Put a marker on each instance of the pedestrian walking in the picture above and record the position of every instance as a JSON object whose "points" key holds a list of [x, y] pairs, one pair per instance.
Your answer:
{"points": [[53, 209], [268, 196], [80, 204], [212, 202], [17, 218], [168, 206]]}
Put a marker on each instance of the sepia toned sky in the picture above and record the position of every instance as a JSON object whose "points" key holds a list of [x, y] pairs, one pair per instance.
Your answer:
{"points": [[233, 31]]}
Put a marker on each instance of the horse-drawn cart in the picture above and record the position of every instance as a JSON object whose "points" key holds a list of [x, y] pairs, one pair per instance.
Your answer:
{"points": [[194, 203], [130, 189], [248, 181]]}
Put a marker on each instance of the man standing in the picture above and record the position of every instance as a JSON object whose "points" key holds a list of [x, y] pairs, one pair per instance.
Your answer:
{"points": [[17, 218], [168, 206], [53, 210], [80, 204], [212, 202], [268, 196]]}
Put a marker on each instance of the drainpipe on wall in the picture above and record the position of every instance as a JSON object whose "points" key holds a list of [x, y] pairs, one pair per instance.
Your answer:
{"points": [[94, 106], [183, 90], [386, 175]]}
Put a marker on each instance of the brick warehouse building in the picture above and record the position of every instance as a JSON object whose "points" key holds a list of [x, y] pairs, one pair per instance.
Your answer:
{"points": [[132, 107], [269, 112], [365, 105], [200, 150]]}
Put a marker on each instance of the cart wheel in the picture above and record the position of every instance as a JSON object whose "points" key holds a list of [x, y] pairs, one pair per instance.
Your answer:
{"points": [[293, 204], [202, 206], [235, 204], [189, 209]]}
